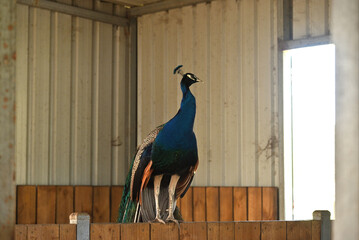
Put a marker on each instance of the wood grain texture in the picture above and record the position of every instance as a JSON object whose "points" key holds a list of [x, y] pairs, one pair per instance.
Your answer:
{"points": [[199, 204], [226, 204], [212, 204], [192, 230], [101, 204], [105, 231], [46, 205], [67, 232], [43, 231], [299, 230], [254, 203], [248, 230], [273, 230], [168, 231], [64, 203], [270, 203], [186, 206], [220, 230], [26, 205], [240, 204], [83, 199], [21, 232], [116, 195], [316, 230], [139, 231]]}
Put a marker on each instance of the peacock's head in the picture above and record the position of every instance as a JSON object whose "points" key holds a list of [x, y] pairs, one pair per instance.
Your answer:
{"points": [[187, 78]]}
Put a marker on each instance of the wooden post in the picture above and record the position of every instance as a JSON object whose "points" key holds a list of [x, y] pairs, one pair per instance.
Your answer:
{"points": [[346, 39], [325, 226], [82, 220], [7, 118]]}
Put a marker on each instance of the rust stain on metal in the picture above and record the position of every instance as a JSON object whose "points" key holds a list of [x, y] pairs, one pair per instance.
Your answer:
{"points": [[10, 27], [13, 56], [6, 99], [11, 145], [4, 106], [5, 45]]}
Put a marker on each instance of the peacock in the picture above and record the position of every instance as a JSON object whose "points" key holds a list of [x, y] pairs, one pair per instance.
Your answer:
{"points": [[164, 165]]}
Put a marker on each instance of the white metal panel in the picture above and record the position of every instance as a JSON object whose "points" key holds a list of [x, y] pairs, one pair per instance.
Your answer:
{"points": [[22, 13], [311, 18], [232, 46], [73, 101]]}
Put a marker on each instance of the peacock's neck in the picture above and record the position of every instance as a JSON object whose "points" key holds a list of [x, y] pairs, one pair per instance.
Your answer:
{"points": [[178, 132]]}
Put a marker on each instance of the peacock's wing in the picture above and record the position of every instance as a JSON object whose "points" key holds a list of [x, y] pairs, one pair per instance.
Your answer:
{"points": [[137, 177]]}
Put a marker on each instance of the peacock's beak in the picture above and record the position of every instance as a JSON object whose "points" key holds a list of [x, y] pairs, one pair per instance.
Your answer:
{"points": [[199, 80]]}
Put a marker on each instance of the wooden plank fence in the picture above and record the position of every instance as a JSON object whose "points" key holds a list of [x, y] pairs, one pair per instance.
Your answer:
{"points": [[54, 204], [264, 230]]}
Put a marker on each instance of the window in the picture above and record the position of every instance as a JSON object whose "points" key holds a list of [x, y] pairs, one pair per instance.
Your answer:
{"points": [[309, 130]]}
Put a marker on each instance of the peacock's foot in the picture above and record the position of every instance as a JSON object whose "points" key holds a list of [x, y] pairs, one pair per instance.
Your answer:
{"points": [[172, 219], [158, 220]]}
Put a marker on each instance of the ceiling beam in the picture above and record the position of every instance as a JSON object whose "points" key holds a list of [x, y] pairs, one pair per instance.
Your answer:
{"points": [[76, 11], [162, 6], [305, 42], [136, 3]]}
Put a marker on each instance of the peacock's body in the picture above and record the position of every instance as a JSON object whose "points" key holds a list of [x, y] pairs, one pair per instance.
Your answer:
{"points": [[164, 165]]}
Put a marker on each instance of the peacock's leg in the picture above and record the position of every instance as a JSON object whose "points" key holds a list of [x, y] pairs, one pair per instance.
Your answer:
{"points": [[157, 187], [171, 197]]}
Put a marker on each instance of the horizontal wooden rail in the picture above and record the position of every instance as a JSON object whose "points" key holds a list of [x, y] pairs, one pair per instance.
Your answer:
{"points": [[281, 230], [54, 204]]}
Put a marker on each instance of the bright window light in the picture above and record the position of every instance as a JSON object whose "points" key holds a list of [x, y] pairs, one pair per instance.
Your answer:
{"points": [[309, 131]]}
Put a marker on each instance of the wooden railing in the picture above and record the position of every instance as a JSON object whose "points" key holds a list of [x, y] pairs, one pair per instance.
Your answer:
{"points": [[54, 204], [268, 230]]}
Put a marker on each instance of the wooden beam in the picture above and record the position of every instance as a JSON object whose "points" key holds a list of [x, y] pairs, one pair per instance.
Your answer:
{"points": [[162, 6], [305, 42], [76, 11], [137, 3]]}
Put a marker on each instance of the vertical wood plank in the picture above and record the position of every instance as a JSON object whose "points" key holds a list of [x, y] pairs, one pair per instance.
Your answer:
{"points": [[105, 231], [248, 230], [67, 232], [220, 230], [216, 96], [46, 204], [81, 97], [138, 231], [247, 91], [39, 86], [199, 204], [266, 143], [64, 203], [212, 204], [226, 204], [116, 194], [83, 199], [273, 230], [300, 18], [21, 232], [270, 203], [193, 230], [299, 230], [199, 51], [187, 205], [26, 205], [42, 232], [168, 231], [240, 204], [316, 230], [254, 203], [22, 25], [101, 204], [60, 98]]}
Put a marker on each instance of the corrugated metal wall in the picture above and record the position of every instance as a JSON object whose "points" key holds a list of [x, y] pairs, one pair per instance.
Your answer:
{"points": [[232, 46], [311, 18], [73, 98]]}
